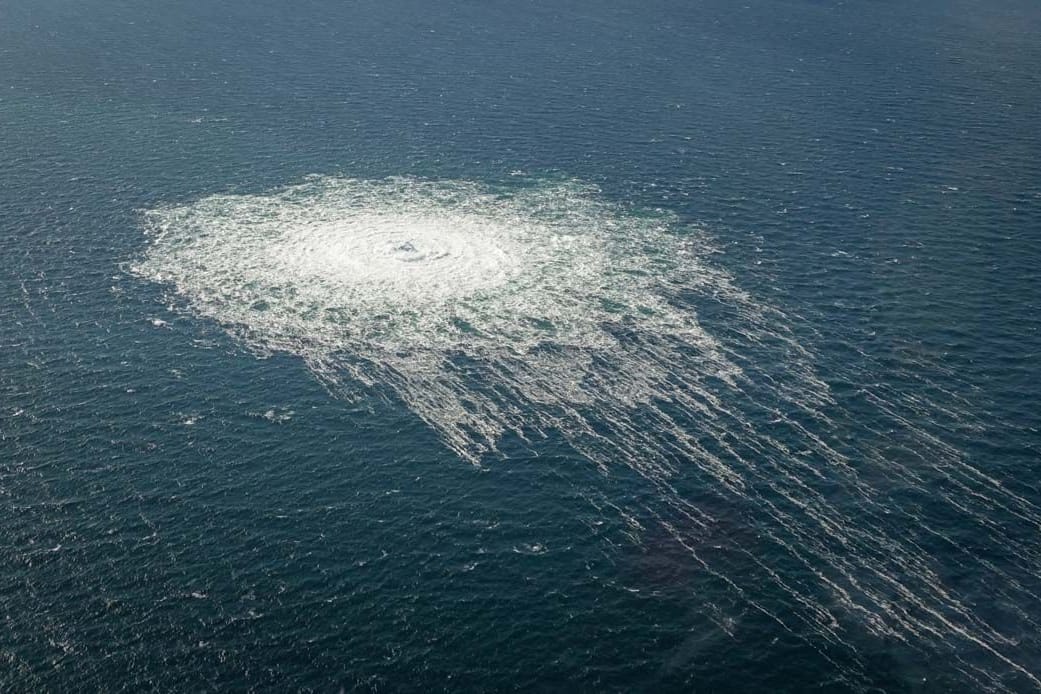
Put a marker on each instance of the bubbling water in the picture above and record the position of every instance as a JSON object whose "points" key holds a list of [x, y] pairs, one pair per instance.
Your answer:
{"points": [[402, 264], [543, 309], [392, 280]]}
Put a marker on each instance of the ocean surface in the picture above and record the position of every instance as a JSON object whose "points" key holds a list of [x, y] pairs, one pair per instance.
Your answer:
{"points": [[520, 346]]}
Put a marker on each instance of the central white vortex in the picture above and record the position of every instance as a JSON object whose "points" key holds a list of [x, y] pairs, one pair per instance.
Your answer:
{"points": [[414, 259]]}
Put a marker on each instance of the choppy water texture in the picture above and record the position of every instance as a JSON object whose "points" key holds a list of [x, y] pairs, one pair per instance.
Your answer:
{"points": [[502, 348]]}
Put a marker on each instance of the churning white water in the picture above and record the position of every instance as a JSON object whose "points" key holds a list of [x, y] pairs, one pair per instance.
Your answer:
{"points": [[558, 296], [544, 308]]}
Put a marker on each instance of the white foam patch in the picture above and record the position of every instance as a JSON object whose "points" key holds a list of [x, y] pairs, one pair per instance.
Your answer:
{"points": [[403, 264], [394, 281], [543, 308]]}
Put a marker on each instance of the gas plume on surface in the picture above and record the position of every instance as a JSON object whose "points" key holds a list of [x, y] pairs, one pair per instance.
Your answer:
{"points": [[543, 308]]}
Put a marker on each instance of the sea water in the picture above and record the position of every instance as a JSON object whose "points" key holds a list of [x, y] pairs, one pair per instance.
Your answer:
{"points": [[386, 346]]}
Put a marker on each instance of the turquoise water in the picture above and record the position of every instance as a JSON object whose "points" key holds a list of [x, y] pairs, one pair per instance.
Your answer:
{"points": [[492, 347]]}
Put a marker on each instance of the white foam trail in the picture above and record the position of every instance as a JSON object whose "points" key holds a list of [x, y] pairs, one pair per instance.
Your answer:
{"points": [[540, 309]]}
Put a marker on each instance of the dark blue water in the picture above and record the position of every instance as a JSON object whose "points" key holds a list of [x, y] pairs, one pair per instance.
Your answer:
{"points": [[177, 514]]}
